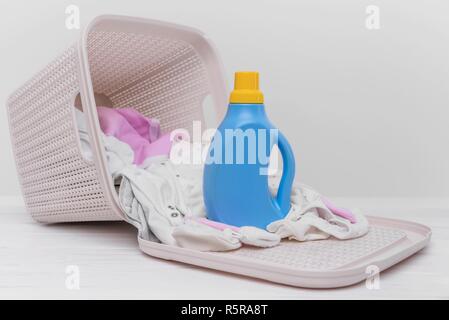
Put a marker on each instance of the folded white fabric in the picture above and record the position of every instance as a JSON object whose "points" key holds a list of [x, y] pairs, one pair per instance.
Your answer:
{"points": [[160, 195], [257, 237], [198, 236], [310, 219]]}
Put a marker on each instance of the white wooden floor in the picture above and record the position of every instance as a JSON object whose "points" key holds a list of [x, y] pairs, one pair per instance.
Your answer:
{"points": [[35, 259]]}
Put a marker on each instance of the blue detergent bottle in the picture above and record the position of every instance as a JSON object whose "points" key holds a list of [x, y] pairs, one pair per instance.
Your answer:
{"points": [[235, 183]]}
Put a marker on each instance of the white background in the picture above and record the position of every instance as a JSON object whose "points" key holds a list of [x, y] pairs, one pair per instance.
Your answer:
{"points": [[366, 111]]}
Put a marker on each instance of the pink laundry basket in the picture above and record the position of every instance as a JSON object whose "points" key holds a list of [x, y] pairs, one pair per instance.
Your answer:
{"points": [[162, 70], [171, 73]]}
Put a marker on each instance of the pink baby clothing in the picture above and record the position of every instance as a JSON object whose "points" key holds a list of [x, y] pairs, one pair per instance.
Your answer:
{"points": [[342, 212], [142, 134]]}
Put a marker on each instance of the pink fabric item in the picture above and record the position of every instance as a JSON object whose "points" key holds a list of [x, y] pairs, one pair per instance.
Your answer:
{"points": [[148, 128], [142, 134], [342, 212]]}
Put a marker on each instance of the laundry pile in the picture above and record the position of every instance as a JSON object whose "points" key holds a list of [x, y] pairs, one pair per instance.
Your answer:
{"points": [[164, 200]]}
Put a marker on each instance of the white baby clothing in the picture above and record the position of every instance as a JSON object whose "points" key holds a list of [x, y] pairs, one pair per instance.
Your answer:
{"points": [[310, 219]]}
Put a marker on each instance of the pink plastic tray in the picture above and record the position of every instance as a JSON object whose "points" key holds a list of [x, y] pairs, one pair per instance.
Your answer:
{"points": [[313, 264]]}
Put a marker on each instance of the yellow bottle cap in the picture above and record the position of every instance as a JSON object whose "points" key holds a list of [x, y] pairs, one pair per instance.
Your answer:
{"points": [[246, 88]]}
